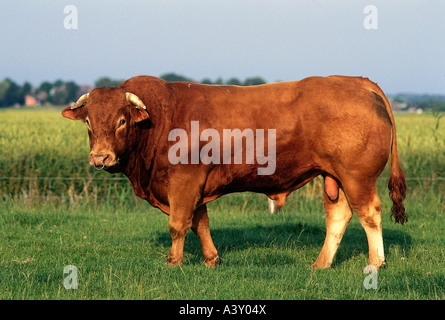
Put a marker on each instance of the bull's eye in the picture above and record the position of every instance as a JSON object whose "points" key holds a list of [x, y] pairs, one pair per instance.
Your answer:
{"points": [[87, 122], [121, 123]]}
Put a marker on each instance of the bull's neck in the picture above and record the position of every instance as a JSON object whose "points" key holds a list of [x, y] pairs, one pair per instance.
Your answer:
{"points": [[139, 164], [150, 138]]}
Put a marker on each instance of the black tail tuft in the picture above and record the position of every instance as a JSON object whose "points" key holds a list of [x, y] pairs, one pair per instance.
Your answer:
{"points": [[397, 192]]}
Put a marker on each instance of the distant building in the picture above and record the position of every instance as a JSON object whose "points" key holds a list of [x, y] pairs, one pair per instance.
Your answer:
{"points": [[31, 101], [397, 106], [415, 110]]}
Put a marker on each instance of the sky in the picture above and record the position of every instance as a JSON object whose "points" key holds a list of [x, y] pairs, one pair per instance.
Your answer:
{"points": [[278, 40]]}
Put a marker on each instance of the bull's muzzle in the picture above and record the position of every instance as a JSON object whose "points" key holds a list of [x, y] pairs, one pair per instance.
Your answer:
{"points": [[100, 161], [101, 167]]}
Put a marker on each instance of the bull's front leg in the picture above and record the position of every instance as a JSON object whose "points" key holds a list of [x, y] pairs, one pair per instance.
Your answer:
{"points": [[178, 226], [184, 193], [181, 217]]}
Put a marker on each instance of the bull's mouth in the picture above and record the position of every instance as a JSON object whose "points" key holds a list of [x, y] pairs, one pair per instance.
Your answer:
{"points": [[115, 168], [104, 165]]}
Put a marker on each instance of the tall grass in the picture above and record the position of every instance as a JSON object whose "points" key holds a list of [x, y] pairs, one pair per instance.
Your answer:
{"points": [[46, 156], [421, 140]]}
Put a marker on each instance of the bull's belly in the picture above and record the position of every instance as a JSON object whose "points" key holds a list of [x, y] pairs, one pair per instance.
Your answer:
{"points": [[225, 180]]}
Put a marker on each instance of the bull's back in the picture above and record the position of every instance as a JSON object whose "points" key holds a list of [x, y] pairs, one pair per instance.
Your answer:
{"points": [[275, 105], [262, 106], [317, 121]]}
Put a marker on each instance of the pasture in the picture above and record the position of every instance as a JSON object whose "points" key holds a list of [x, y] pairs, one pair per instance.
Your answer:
{"points": [[55, 211]]}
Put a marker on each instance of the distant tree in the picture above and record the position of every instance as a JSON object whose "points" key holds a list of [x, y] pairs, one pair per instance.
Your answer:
{"points": [[64, 92], [234, 81], [71, 90], [206, 81], [107, 82], [61, 92], [26, 89], [421, 101], [59, 96], [10, 93], [45, 87], [219, 81], [173, 77], [432, 104], [254, 81], [58, 83]]}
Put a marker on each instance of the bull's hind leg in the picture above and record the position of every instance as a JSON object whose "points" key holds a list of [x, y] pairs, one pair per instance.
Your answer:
{"points": [[200, 227], [370, 217], [338, 215], [365, 202]]}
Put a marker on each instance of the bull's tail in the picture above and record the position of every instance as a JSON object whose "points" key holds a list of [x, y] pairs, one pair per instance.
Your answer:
{"points": [[397, 183]]}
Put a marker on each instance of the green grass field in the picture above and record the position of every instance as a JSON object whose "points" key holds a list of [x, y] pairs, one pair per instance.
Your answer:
{"points": [[56, 211]]}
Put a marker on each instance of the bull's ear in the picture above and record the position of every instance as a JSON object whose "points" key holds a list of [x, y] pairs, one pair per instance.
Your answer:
{"points": [[138, 110], [76, 112], [73, 114], [138, 115]]}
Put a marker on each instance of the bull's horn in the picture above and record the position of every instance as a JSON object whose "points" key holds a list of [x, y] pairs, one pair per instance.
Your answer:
{"points": [[82, 100], [134, 99]]}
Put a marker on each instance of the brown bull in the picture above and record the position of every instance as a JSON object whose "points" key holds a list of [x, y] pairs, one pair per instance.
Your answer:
{"points": [[339, 127]]}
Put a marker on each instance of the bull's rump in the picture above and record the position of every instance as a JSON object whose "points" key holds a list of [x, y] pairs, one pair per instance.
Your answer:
{"points": [[321, 123]]}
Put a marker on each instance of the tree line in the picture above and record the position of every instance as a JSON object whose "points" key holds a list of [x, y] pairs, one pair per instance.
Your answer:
{"points": [[63, 93], [57, 93], [252, 81]]}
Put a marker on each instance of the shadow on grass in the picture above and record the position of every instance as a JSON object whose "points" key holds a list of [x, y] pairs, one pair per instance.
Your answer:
{"points": [[287, 236]]}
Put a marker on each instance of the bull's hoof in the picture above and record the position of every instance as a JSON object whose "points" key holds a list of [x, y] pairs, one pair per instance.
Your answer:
{"points": [[213, 262], [173, 262], [318, 265], [380, 265]]}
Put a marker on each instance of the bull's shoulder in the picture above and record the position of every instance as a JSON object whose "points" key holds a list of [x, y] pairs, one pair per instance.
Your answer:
{"points": [[148, 88], [154, 92]]}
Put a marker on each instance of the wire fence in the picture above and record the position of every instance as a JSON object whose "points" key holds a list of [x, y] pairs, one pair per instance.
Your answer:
{"points": [[126, 179], [88, 188]]}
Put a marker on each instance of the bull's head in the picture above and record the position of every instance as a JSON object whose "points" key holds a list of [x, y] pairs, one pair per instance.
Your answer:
{"points": [[110, 115]]}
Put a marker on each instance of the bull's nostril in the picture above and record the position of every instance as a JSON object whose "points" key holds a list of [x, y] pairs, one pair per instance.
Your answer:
{"points": [[99, 160]]}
